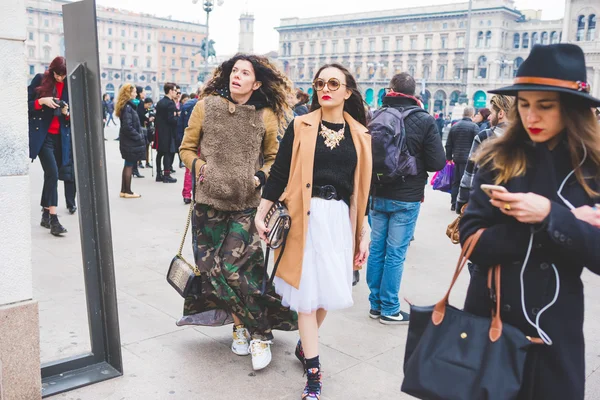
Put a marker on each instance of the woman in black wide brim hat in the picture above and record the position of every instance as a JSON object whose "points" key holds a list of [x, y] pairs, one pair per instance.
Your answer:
{"points": [[545, 229]]}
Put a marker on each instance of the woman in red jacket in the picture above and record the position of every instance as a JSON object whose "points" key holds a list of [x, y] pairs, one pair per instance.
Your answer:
{"points": [[50, 137]]}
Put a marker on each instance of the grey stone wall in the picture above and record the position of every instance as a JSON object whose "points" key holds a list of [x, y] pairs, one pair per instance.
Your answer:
{"points": [[19, 320]]}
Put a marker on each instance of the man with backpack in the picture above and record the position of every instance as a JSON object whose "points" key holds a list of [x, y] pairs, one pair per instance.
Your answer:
{"points": [[406, 145]]}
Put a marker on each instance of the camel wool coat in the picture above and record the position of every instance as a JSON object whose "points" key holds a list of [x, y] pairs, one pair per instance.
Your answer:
{"points": [[298, 192]]}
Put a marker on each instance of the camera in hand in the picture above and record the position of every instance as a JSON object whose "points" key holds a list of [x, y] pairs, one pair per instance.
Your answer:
{"points": [[61, 104]]}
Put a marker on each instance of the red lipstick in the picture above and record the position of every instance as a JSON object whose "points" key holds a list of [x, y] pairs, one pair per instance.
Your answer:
{"points": [[326, 97], [535, 131]]}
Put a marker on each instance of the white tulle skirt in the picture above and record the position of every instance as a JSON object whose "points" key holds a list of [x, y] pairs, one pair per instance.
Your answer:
{"points": [[326, 280]]}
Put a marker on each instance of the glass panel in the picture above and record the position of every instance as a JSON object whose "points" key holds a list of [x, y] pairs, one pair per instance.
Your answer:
{"points": [[58, 282]]}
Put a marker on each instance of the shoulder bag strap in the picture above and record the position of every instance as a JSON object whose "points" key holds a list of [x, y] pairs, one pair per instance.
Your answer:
{"points": [[266, 278]]}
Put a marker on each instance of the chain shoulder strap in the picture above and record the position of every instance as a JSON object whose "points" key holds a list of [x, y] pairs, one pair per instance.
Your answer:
{"points": [[187, 227]]}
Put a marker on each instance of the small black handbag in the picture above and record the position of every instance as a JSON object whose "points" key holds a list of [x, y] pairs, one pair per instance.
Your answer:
{"points": [[278, 222], [454, 355], [183, 275]]}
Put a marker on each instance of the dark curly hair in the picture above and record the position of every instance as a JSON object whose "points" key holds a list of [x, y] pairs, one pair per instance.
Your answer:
{"points": [[355, 105], [275, 85]]}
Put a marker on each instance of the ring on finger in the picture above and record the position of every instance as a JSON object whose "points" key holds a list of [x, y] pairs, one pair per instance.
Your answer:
{"points": [[507, 206]]}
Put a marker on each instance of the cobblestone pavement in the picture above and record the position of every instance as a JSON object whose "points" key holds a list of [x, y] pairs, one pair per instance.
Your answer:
{"points": [[361, 358]]}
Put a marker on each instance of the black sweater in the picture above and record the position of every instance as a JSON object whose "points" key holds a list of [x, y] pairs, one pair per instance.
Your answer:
{"points": [[332, 167]]}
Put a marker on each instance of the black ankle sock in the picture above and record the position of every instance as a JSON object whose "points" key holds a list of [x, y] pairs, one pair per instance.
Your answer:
{"points": [[312, 362]]}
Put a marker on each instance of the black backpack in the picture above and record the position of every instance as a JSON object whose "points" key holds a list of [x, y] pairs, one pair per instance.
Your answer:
{"points": [[391, 158]]}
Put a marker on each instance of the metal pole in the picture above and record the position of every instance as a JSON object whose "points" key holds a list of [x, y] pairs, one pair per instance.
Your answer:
{"points": [[465, 77], [207, 8]]}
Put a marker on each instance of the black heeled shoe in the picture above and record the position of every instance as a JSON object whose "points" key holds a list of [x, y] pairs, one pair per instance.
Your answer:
{"points": [[72, 210]]}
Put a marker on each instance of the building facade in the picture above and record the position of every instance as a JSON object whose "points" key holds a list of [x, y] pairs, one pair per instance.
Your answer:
{"points": [[430, 42], [134, 48]]}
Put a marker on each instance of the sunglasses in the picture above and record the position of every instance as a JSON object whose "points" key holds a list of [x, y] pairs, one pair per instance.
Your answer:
{"points": [[333, 84]]}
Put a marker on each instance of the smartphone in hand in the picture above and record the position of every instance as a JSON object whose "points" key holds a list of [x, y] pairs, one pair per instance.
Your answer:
{"points": [[488, 189]]}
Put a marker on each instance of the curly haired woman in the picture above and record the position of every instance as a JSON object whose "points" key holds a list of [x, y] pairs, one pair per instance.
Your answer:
{"points": [[132, 139], [235, 123]]}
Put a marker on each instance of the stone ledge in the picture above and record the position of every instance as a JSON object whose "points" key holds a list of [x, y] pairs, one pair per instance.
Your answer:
{"points": [[20, 376]]}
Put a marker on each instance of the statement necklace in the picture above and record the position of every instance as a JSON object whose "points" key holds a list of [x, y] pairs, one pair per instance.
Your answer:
{"points": [[332, 138]]}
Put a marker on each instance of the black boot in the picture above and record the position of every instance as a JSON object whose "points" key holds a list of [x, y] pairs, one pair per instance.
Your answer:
{"points": [[45, 219], [140, 164], [136, 173], [312, 390], [159, 176], [167, 178], [55, 227]]}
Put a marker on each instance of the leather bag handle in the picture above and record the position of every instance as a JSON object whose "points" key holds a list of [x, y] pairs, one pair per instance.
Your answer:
{"points": [[439, 310]]}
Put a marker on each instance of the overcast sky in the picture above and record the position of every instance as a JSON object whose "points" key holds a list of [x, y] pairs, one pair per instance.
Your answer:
{"points": [[224, 20]]}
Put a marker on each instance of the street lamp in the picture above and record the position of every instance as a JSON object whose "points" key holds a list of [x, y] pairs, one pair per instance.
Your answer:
{"points": [[208, 7], [503, 62]]}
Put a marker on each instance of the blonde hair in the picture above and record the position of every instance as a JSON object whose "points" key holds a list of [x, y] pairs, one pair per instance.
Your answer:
{"points": [[507, 157], [124, 97]]}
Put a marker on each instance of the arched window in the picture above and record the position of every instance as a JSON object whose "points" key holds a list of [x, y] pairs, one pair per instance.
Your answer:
{"points": [[426, 72], [526, 40], [480, 39], [580, 28], [518, 62], [544, 37], [591, 31], [488, 39], [535, 39], [482, 67], [516, 40], [109, 60], [441, 73], [554, 38]]}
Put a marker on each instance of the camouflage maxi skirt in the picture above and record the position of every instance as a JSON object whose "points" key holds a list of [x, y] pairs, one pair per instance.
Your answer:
{"points": [[231, 260]]}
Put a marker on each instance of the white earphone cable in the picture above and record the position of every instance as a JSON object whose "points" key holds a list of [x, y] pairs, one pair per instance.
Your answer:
{"points": [[543, 335]]}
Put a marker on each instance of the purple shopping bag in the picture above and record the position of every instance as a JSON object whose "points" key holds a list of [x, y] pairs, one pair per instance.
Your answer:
{"points": [[443, 180]]}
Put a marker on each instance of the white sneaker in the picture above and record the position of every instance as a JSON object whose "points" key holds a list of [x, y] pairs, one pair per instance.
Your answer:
{"points": [[261, 353], [240, 341]]}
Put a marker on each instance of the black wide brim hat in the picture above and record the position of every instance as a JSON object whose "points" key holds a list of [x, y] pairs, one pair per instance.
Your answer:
{"points": [[553, 68]]}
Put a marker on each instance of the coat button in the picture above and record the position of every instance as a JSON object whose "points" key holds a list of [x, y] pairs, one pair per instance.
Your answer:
{"points": [[556, 234], [537, 246], [535, 311], [569, 242], [544, 266], [308, 185], [506, 307], [563, 238], [308, 213]]}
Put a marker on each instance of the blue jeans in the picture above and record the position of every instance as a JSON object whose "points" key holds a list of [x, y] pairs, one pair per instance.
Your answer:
{"points": [[393, 225]]}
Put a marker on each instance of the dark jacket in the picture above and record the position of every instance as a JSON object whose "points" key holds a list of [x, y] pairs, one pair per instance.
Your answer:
{"points": [[166, 126], [141, 112], [39, 122], [554, 372], [483, 125], [184, 117], [110, 106], [104, 108], [424, 144], [460, 139], [300, 109], [132, 141], [440, 123]]}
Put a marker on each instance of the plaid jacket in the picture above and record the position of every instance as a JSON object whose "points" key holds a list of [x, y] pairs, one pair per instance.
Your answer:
{"points": [[466, 183]]}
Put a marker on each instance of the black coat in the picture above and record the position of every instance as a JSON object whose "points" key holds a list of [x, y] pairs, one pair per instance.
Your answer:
{"points": [[554, 372], [424, 143], [132, 141], [460, 140], [39, 123], [166, 126]]}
